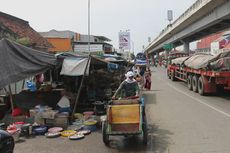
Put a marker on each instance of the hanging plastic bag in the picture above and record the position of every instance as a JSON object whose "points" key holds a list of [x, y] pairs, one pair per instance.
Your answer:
{"points": [[31, 85]]}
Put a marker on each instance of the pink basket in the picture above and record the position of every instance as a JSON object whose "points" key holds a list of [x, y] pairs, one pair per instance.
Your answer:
{"points": [[88, 113]]}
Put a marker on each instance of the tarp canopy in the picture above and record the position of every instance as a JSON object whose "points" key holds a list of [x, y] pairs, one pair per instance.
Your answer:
{"points": [[179, 60], [198, 61], [74, 66], [18, 62], [220, 62], [75, 63]]}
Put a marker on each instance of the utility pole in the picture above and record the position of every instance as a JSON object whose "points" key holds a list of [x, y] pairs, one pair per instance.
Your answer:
{"points": [[89, 26]]}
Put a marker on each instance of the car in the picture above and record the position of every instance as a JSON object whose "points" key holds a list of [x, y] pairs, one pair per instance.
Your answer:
{"points": [[6, 142]]}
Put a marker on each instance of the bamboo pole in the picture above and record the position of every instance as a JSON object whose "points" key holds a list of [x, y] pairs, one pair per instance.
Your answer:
{"points": [[23, 84], [79, 91], [11, 98], [15, 88]]}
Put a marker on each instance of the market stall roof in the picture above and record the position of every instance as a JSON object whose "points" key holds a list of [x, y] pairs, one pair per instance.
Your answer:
{"points": [[75, 63], [75, 66], [18, 62], [72, 54]]}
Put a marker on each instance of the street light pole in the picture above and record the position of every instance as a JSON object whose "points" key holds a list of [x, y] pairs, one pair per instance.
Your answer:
{"points": [[89, 26]]}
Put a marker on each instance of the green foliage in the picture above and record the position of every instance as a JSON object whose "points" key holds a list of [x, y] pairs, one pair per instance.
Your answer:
{"points": [[24, 41], [132, 56]]}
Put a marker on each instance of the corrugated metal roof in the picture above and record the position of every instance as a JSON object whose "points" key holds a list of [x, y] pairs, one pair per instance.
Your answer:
{"points": [[22, 29]]}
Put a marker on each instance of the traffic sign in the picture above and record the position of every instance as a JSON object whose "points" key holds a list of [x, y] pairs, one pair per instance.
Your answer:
{"points": [[168, 46]]}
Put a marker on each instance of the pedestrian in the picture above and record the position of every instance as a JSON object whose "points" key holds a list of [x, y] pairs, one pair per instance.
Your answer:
{"points": [[148, 79]]}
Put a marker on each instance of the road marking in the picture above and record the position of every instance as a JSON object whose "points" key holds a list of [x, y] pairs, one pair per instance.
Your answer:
{"points": [[198, 100]]}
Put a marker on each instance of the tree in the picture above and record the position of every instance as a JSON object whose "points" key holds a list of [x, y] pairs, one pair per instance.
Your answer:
{"points": [[132, 56]]}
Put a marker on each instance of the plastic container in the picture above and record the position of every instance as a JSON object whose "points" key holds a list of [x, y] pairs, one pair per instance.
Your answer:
{"points": [[76, 136], [88, 113], [68, 133], [92, 128], [99, 107], [16, 136], [55, 129], [52, 134], [78, 116], [40, 130], [90, 125]]}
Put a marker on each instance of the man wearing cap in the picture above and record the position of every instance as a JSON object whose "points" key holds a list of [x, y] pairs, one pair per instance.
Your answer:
{"points": [[128, 88]]}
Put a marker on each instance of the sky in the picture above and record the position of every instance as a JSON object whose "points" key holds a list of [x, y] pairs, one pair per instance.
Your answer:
{"points": [[143, 18]]}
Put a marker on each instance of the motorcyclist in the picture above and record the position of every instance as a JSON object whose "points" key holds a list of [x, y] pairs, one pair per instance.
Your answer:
{"points": [[128, 88]]}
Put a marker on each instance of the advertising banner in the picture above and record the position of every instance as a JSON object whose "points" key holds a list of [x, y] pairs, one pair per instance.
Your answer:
{"points": [[124, 40]]}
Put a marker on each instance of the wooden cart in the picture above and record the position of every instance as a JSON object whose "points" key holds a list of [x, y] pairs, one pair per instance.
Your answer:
{"points": [[125, 117]]}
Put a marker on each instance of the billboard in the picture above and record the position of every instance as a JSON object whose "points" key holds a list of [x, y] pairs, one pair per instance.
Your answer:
{"points": [[84, 48], [124, 40], [170, 15], [95, 49]]}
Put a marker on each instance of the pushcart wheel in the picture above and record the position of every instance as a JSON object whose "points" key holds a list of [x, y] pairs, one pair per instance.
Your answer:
{"points": [[105, 136], [144, 130]]}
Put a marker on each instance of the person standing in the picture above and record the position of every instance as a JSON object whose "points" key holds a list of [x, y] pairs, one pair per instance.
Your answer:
{"points": [[148, 79]]}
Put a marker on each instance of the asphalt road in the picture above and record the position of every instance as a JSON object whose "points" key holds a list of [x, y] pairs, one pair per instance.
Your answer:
{"points": [[179, 121]]}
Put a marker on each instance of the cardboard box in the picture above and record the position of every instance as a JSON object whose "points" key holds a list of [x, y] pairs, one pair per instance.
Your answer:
{"points": [[38, 119], [49, 114], [60, 121], [33, 112]]}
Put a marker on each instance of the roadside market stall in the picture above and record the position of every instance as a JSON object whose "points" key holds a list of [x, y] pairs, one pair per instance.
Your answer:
{"points": [[19, 62], [101, 78]]}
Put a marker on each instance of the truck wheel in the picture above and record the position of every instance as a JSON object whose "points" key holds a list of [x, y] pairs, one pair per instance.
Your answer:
{"points": [[105, 135], [195, 83], [201, 86], [189, 82], [172, 77], [168, 74]]}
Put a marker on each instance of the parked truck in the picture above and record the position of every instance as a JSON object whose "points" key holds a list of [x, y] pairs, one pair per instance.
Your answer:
{"points": [[202, 73]]}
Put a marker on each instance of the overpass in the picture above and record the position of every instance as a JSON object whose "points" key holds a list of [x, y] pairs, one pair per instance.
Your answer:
{"points": [[203, 18]]}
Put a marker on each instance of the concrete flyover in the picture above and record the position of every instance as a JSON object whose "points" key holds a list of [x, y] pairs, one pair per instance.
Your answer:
{"points": [[203, 18]]}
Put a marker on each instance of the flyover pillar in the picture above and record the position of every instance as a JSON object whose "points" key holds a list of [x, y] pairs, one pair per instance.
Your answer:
{"points": [[158, 58], [186, 47], [166, 56], [153, 60]]}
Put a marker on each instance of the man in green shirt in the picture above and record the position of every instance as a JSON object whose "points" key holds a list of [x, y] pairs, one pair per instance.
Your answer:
{"points": [[128, 88]]}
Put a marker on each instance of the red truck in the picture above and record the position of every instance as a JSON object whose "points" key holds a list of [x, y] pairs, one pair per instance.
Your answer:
{"points": [[200, 80]]}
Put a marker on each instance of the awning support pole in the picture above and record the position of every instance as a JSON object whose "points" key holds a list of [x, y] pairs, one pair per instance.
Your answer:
{"points": [[80, 88], [11, 98]]}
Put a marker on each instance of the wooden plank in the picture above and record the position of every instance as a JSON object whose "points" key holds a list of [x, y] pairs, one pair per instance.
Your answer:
{"points": [[125, 114]]}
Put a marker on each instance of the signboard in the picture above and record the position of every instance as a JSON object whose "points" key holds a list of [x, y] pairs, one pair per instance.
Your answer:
{"points": [[96, 49], [170, 15], [84, 48], [124, 40], [168, 46]]}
